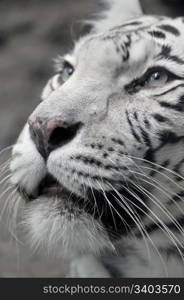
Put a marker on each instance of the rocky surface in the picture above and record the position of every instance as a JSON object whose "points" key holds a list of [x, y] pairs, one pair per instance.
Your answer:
{"points": [[32, 32]]}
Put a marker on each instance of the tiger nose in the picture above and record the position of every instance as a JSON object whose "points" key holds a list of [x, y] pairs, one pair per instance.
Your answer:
{"points": [[50, 134]]}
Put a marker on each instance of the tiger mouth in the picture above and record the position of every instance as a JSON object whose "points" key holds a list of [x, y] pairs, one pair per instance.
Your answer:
{"points": [[48, 187], [99, 206]]}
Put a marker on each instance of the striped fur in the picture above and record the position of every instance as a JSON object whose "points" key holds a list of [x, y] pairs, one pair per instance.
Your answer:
{"points": [[124, 170]]}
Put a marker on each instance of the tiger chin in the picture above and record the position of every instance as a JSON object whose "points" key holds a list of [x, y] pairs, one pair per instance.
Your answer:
{"points": [[99, 164]]}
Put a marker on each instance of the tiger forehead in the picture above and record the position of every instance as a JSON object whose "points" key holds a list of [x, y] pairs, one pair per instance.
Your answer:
{"points": [[111, 36], [165, 25], [117, 49], [107, 45], [134, 42], [157, 28]]}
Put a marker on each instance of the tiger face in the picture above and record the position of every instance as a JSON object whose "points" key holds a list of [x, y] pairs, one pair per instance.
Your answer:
{"points": [[109, 117]]}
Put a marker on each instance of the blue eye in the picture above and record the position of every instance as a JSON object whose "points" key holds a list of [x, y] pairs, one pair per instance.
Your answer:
{"points": [[154, 77], [66, 71], [157, 79], [62, 76]]}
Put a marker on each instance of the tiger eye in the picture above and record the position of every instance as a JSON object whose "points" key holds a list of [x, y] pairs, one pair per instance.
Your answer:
{"points": [[157, 78], [66, 72]]}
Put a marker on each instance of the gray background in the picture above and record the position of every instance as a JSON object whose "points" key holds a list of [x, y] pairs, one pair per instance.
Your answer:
{"points": [[32, 32]]}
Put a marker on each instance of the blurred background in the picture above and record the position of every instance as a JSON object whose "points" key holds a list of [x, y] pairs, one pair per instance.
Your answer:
{"points": [[32, 33]]}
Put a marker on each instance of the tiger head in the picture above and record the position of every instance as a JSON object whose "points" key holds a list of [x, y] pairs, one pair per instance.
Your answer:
{"points": [[91, 154]]}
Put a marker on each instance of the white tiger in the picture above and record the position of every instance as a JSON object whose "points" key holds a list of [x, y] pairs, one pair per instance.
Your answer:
{"points": [[99, 163]]}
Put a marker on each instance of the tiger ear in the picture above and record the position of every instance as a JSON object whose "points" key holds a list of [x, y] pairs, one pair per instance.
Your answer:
{"points": [[116, 12]]}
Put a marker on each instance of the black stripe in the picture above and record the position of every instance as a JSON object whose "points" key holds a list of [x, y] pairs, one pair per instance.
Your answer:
{"points": [[145, 137], [132, 128], [147, 123], [178, 165], [176, 169], [168, 91], [160, 118], [176, 59], [160, 169], [157, 34], [153, 173], [178, 106], [169, 28], [169, 137], [136, 23], [170, 225], [118, 141], [135, 116], [164, 164], [92, 161], [166, 53], [113, 271], [172, 251], [170, 106], [179, 220], [178, 179], [149, 156], [177, 197]]}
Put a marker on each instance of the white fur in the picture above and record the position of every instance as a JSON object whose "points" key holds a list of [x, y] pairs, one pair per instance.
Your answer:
{"points": [[95, 96], [116, 13]]}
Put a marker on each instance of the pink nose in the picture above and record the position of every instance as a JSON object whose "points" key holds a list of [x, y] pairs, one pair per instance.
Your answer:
{"points": [[49, 134]]}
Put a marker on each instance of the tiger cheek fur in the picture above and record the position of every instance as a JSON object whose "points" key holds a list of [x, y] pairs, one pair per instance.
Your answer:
{"points": [[99, 163]]}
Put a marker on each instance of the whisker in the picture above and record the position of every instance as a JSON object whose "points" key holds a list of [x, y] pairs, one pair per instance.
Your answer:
{"points": [[132, 214], [5, 164], [9, 206], [161, 224], [110, 205], [6, 190], [158, 183], [157, 165], [163, 208], [166, 189], [5, 179], [164, 175], [160, 205], [13, 209], [94, 198], [162, 185], [147, 234], [6, 149]]}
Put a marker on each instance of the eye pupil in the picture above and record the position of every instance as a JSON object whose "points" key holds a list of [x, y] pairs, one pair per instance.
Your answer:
{"points": [[156, 76], [66, 72], [69, 70]]}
